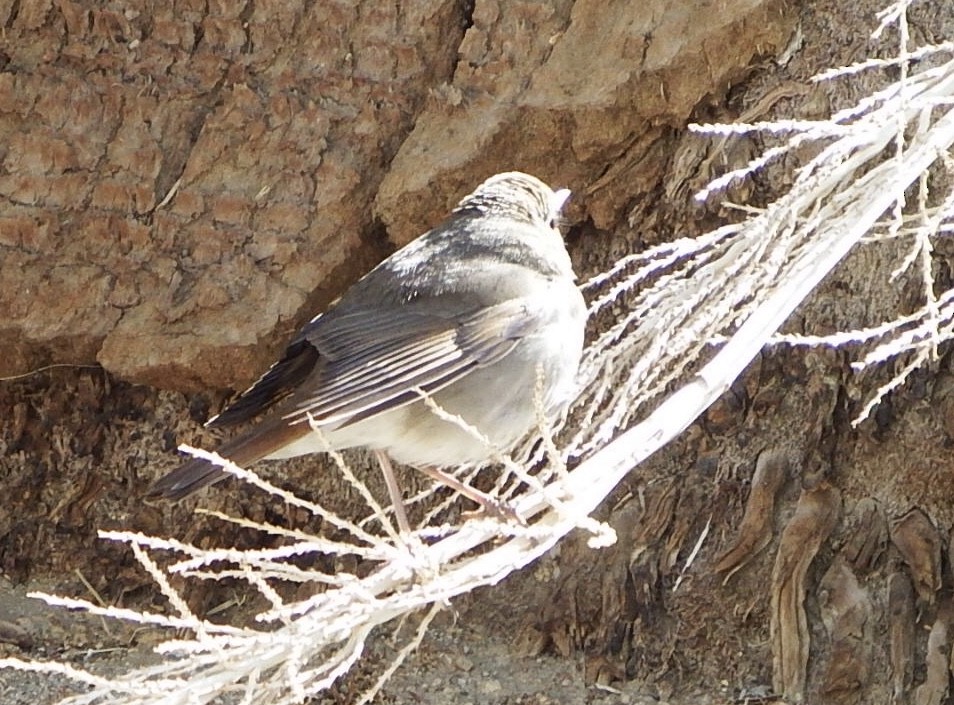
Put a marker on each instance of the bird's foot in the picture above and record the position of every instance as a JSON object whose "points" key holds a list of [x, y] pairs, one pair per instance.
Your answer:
{"points": [[494, 508]]}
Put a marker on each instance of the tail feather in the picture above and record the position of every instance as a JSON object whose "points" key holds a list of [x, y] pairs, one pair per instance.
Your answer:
{"points": [[254, 444], [188, 478]]}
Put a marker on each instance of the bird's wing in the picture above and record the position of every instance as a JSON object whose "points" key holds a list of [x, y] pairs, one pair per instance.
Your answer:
{"points": [[373, 361], [348, 367], [280, 380]]}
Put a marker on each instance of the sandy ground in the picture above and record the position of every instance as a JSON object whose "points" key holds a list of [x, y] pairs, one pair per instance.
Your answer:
{"points": [[466, 658]]}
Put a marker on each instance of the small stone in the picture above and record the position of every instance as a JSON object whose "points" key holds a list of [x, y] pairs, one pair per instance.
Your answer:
{"points": [[489, 686]]}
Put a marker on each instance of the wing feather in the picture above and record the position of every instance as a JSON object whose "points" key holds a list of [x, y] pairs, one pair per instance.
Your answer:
{"points": [[349, 366], [425, 352]]}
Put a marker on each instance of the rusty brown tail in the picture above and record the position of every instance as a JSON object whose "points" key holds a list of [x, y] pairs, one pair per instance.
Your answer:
{"points": [[255, 444]]}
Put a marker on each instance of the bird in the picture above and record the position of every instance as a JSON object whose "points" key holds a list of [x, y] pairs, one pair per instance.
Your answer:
{"points": [[479, 317]]}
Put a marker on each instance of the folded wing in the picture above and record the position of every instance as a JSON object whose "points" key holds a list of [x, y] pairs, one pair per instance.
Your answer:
{"points": [[343, 368]]}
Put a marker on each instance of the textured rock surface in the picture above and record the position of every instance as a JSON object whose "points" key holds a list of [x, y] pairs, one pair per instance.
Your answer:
{"points": [[183, 181], [588, 92], [184, 184]]}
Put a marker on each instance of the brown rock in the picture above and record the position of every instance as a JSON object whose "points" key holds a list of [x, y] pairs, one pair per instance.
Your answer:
{"points": [[184, 184]]}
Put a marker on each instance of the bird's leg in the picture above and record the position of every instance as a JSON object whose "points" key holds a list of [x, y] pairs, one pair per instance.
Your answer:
{"points": [[494, 507], [394, 490]]}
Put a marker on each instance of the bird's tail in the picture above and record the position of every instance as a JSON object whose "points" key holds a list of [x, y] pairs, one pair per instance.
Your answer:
{"points": [[254, 444]]}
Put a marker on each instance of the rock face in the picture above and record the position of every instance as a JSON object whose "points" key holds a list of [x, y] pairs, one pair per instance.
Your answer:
{"points": [[184, 185], [181, 182]]}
